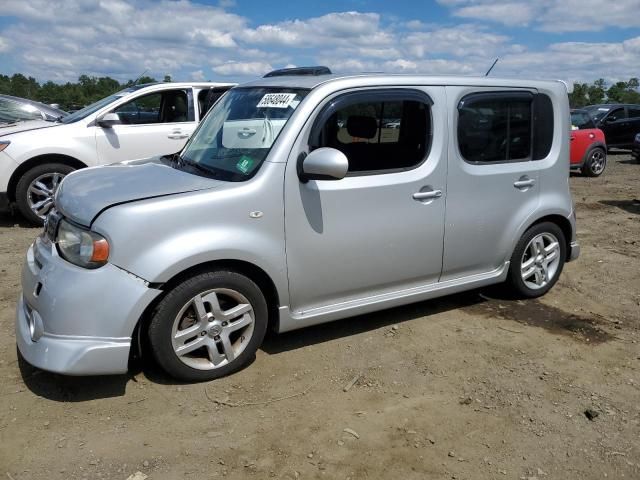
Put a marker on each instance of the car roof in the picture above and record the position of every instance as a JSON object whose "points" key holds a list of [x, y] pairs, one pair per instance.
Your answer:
{"points": [[313, 81], [612, 105], [180, 85]]}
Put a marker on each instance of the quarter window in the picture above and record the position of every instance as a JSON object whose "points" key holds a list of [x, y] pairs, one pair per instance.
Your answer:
{"points": [[495, 128], [377, 133]]}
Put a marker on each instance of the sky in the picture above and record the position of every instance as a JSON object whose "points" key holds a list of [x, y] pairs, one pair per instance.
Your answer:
{"points": [[236, 40]]}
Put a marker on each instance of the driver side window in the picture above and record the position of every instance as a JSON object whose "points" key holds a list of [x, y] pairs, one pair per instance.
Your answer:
{"points": [[171, 106]]}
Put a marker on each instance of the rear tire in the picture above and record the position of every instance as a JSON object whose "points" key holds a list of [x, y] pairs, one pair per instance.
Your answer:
{"points": [[537, 261], [595, 163], [36, 189], [208, 326]]}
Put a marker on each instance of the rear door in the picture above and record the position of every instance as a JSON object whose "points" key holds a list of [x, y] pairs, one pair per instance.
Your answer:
{"points": [[493, 185], [156, 123]]}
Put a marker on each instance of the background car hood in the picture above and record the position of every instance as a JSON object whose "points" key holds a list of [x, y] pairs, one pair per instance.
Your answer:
{"points": [[83, 194], [7, 128]]}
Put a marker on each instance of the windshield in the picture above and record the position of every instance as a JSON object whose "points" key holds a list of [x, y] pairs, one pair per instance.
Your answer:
{"points": [[94, 107], [597, 112], [239, 131]]}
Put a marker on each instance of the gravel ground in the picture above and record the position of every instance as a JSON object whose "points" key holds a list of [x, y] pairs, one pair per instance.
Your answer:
{"points": [[469, 386]]}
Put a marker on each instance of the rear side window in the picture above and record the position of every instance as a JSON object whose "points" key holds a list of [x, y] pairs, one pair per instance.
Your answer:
{"points": [[634, 111], [504, 127], [377, 131], [206, 99]]}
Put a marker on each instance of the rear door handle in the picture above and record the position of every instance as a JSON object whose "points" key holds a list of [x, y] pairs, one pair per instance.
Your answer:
{"points": [[177, 135], [427, 195], [524, 183]]}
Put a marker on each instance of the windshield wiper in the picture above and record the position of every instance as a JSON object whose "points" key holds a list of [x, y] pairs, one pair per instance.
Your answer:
{"points": [[181, 161]]}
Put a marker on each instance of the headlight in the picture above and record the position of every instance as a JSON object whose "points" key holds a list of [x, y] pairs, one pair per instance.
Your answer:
{"points": [[81, 247], [638, 137], [4, 144]]}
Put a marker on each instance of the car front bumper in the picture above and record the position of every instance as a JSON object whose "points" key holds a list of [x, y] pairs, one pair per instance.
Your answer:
{"points": [[76, 321], [574, 251]]}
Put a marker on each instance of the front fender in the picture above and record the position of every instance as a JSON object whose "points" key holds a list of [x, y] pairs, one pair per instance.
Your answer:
{"points": [[159, 238]]}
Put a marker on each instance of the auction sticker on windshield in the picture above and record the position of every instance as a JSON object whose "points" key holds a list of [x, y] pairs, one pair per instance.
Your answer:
{"points": [[276, 100]]}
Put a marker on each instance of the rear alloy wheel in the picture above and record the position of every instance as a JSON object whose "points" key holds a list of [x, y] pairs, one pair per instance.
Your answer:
{"points": [[208, 326], [537, 260], [595, 163], [36, 189]]}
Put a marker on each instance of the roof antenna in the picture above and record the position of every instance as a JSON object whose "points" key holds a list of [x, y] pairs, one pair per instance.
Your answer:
{"points": [[491, 68], [142, 75]]}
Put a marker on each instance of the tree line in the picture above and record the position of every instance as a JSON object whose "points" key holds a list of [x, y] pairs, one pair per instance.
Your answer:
{"points": [[591, 94], [71, 96]]}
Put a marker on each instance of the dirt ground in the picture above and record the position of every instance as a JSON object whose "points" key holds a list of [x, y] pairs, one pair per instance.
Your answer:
{"points": [[470, 386]]}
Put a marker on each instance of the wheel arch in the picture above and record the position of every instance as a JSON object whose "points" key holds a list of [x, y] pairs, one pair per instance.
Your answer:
{"points": [[590, 149], [560, 221], [253, 272], [27, 165]]}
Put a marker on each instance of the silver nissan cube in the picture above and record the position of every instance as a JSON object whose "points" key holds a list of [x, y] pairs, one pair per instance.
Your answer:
{"points": [[299, 200]]}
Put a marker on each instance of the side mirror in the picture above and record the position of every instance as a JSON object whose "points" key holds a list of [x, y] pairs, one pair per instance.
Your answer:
{"points": [[324, 164], [108, 120], [610, 119]]}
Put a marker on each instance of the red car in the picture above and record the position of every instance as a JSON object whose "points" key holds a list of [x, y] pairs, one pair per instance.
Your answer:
{"points": [[588, 146]]}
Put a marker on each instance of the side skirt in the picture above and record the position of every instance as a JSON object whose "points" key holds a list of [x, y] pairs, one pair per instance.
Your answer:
{"points": [[294, 320]]}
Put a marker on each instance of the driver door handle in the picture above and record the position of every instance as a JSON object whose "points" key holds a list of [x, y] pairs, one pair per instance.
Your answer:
{"points": [[427, 195]]}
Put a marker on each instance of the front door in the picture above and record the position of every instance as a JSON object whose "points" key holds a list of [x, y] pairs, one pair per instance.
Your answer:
{"points": [[158, 123], [615, 127], [380, 229], [493, 182]]}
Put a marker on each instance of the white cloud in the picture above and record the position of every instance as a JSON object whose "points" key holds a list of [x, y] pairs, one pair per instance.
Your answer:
{"points": [[551, 15], [124, 38], [198, 76], [243, 68], [331, 29]]}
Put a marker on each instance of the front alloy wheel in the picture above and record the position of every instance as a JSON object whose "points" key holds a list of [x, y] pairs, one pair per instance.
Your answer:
{"points": [[208, 325], [36, 189], [213, 329]]}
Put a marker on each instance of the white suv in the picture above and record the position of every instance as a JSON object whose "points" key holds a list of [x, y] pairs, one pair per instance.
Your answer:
{"points": [[137, 122]]}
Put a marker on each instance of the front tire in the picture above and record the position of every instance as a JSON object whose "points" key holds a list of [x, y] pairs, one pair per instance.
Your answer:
{"points": [[208, 326], [595, 163], [36, 189], [537, 260]]}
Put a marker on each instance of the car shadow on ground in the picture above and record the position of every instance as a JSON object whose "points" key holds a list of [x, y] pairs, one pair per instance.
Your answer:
{"points": [[8, 220], [631, 206], [278, 343], [489, 302], [62, 388]]}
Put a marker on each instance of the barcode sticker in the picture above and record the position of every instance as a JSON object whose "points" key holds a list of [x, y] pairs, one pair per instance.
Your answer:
{"points": [[276, 100]]}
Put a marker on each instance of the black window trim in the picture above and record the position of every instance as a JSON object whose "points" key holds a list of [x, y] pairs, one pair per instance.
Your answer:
{"points": [[376, 94], [497, 95]]}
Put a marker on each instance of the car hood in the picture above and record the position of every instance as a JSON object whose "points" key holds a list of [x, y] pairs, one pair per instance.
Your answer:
{"points": [[84, 194], [7, 128]]}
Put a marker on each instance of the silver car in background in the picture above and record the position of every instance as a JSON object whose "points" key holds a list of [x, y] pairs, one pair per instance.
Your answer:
{"points": [[16, 109], [301, 200]]}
